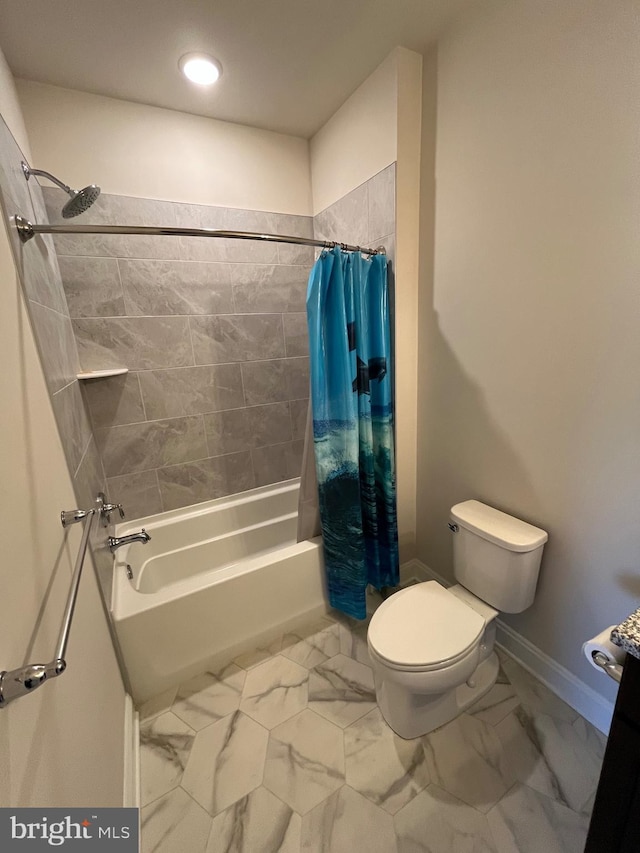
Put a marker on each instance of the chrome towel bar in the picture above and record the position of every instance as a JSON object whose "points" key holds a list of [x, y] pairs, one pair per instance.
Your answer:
{"points": [[19, 682]]}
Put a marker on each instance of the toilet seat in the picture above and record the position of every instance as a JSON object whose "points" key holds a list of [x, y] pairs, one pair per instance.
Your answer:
{"points": [[424, 628]]}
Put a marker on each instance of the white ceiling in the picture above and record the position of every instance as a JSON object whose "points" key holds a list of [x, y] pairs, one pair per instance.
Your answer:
{"points": [[288, 64]]}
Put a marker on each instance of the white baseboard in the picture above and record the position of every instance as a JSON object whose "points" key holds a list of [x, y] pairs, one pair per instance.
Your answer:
{"points": [[131, 782], [572, 690]]}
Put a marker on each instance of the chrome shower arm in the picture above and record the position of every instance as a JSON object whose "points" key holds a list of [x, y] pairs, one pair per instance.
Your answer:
{"points": [[41, 172]]}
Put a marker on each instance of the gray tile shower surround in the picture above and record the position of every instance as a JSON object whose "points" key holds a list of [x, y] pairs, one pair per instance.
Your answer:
{"points": [[284, 749], [47, 306], [214, 335]]}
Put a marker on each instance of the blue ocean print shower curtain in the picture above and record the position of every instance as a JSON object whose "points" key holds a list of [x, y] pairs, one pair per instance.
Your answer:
{"points": [[351, 395]]}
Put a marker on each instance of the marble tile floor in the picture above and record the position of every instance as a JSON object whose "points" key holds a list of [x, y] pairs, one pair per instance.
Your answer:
{"points": [[285, 750]]}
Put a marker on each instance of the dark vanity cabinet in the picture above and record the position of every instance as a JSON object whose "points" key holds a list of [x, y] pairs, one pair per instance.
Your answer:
{"points": [[615, 822]]}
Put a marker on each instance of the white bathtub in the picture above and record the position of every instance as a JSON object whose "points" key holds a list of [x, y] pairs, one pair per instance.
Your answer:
{"points": [[216, 579]]}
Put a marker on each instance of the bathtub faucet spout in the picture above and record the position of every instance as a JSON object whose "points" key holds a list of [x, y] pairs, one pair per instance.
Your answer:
{"points": [[116, 542]]}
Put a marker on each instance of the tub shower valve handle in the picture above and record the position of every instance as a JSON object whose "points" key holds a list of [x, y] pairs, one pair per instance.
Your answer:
{"points": [[107, 508]]}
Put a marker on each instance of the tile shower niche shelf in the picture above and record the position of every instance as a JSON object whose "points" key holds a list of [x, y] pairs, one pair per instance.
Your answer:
{"points": [[102, 374]]}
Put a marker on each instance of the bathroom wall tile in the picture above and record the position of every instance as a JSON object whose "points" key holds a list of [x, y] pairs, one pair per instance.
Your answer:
{"points": [[138, 493], [176, 287], [389, 242], [182, 485], [299, 409], [236, 337], [12, 179], [92, 286], [191, 390], [137, 342], [264, 382], [257, 221], [117, 245], [290, 253], [277, 462], [272, 381], [296, 336], [111, 209], [201, 216], [73, 424], [89, 478], [115, 210], [241, 429], [297, 370], [114, 400], [263, 288], [37, 200], [202, 248], [88, 482], [347, 220], [295, 226], [139, 447], [40, 273], [57, 346], [382, 203]]}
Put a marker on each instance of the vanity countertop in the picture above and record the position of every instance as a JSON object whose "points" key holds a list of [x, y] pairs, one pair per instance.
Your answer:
{"points": [[627, 634]]}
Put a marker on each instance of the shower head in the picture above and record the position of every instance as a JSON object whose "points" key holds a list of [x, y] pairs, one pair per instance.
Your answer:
{"points": [[80, 200]]}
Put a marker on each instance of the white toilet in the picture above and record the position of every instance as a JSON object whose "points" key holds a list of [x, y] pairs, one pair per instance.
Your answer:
{"points": [[432, 648]]}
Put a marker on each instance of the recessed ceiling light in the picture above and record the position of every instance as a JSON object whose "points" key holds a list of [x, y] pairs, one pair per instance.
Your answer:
{"points": [[200, 68]]}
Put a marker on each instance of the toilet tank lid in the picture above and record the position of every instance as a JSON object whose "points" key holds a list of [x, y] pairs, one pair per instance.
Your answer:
{"points": [[498, 527]]}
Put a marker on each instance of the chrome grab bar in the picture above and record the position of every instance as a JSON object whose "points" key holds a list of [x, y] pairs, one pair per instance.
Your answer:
{"points": [[19, 682]]}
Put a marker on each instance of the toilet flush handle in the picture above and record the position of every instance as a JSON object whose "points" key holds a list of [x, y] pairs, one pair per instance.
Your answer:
{"points": [[453, 527]]}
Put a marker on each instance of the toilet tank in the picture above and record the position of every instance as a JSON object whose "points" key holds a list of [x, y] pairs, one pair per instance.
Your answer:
{"points": [[496, 556]]}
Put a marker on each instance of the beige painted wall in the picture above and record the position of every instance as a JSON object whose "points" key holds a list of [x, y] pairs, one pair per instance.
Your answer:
{"points": [[359, 140], [149, 152], [529, 343], [62, 746]]}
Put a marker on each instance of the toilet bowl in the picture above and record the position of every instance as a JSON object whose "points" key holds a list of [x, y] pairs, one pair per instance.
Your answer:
{"points": [[431, 648], [425, 643]]}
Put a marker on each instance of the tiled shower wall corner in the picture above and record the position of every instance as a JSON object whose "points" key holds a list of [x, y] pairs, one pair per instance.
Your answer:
{"points": [[42, 286], [364, 217], [213, 333]]}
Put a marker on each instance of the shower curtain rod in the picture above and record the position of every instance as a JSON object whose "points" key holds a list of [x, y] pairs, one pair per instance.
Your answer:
{"points": [[27, 230]]}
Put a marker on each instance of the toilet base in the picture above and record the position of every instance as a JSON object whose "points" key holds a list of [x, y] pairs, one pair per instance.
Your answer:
{"points": [[412, 715]]}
